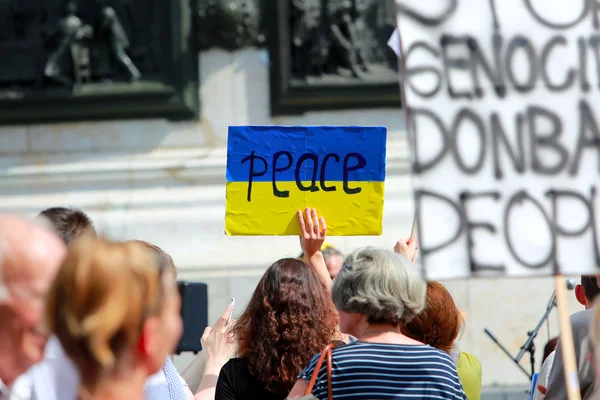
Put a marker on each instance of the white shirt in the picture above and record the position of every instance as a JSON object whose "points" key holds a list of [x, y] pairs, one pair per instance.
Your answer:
{"points": [[20, 390], [544, 375], [56, 378], [156, 387], [4, 391]]}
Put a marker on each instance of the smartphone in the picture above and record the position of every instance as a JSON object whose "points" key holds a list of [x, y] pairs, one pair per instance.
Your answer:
{"points": [[194, 312], [233, 305]]}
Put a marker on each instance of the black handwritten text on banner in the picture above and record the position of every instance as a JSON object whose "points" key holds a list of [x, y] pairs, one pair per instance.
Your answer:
{"points": [[504, 113]]}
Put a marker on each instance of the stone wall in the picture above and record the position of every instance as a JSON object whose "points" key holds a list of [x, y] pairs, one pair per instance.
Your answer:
{"points": [[165, 183]]}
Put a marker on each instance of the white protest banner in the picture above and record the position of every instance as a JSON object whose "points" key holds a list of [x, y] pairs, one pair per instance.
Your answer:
{"points": [[503, 111]]}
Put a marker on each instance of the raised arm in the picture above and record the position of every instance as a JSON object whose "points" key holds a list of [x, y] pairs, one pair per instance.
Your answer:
{"points": [[313, 231], [408, 248], [219, 346]]}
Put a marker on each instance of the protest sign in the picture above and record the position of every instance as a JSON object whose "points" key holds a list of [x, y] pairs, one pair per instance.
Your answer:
{"points": [[503, 108], [274, 171]]}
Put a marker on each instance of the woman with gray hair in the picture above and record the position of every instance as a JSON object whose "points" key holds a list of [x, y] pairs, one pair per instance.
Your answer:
{"points": [[376, 293]]}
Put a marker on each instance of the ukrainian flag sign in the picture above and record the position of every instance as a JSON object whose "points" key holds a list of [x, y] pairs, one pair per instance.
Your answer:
{"points": [[274, 171]]}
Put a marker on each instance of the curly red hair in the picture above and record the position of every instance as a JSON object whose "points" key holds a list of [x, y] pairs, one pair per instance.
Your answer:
{"points": [[289, 319]]}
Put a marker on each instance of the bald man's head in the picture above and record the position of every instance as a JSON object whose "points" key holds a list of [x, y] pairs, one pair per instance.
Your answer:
{"points": [[29, 252], [30, 256], [333, 260]]}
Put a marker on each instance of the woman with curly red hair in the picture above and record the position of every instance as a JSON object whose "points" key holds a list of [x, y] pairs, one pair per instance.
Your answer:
{"points": [[290, 317]]}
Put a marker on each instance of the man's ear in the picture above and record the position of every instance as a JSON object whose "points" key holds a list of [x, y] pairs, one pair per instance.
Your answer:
{"points": [[580, 295], [142, 345], [146, 342]]}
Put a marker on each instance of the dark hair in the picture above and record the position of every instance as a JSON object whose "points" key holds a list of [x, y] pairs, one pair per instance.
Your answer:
{"points": [[288, 320], [163, 260], [549, 348], [590, 287], [69, 223]]}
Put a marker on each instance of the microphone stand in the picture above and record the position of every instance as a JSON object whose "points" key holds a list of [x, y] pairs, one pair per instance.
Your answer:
{"points": [[506, 352], [529, 346]]}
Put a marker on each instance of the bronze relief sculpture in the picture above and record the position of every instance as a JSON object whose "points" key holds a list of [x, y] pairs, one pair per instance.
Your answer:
{"points": [[112, 30], [96, 59], [230, 24], [73, 40], [332, 54]]}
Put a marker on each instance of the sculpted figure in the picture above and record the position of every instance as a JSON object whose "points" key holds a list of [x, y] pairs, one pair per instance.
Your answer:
{"points": [[309, 38], [74, 35], [112, 29]]}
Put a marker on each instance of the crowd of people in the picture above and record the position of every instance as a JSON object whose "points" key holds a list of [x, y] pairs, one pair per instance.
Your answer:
{"points": [[84, 317]]}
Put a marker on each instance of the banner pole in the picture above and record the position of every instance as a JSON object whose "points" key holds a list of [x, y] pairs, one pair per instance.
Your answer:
{"points": [[413, 231], [566, 339]]}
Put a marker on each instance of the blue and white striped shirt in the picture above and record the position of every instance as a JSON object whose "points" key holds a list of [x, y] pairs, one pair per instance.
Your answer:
{"points": [[387, 371]]}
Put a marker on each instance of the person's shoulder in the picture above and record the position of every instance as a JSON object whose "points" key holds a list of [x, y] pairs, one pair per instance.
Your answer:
{"points": [[236, 366], [338, 350], [55, 377], [580, 322], [23, 386], [237, 361], [429, 351], [351, 347], [582, 316], [159, 378], [156, 386], [469, 359], [416, 350], [469, 365], [430, 354]]}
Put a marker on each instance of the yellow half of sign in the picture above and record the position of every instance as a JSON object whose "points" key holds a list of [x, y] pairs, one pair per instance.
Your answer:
{"points": [[345, 214]]}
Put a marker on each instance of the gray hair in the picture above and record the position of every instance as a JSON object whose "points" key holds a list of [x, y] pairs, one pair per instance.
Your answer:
{"points": [[380, 284]]}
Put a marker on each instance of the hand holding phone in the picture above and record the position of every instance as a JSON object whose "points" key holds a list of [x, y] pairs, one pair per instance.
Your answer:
{"points": [[217, 341], [408, 246]]}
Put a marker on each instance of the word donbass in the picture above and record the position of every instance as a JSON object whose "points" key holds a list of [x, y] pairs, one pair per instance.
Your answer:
{"points": [[520, 145]]}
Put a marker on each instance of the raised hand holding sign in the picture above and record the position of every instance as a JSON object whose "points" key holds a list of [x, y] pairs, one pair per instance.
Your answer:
{"points": [[313, 231]]}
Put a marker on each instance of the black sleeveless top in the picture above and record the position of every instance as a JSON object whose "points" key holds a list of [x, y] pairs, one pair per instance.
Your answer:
{"points": [[236, 383]]}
